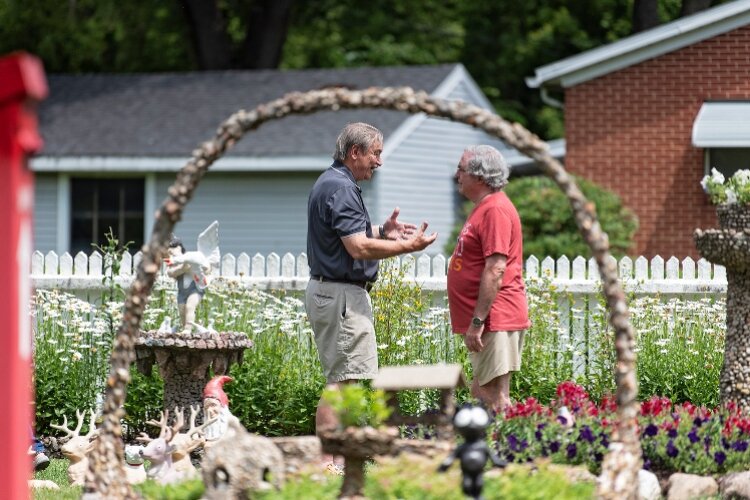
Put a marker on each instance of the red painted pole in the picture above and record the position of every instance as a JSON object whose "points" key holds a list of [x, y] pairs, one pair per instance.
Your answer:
{"points": [[22, 84]]}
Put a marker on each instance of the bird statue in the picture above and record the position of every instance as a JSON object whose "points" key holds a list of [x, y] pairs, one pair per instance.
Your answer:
{"points": [[202, 260], [199, 328], [166, 325]]}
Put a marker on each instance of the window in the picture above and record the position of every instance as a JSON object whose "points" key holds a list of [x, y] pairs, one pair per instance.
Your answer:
{"points": [[727, 160], [98, 204]]}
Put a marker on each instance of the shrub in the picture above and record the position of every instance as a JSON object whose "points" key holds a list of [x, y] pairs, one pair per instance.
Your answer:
{"points": [[355, 405], [549, 228]]}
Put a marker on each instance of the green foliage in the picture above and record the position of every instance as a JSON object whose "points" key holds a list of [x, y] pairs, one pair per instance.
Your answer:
{"points": [[144, 402], [734, 190], [548, 224], [186, 490], [357, 406], [97, 35], [71, 356]]}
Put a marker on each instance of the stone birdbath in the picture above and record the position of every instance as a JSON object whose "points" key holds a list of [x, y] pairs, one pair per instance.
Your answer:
{"points": [[357, 444], [729, 246], [186, 360]]}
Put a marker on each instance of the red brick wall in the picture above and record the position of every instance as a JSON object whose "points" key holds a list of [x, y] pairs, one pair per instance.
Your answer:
{"points": [[630, 131]]}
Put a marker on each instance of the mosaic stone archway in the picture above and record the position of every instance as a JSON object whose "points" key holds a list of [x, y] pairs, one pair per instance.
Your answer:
{"points": [[105, 478]]}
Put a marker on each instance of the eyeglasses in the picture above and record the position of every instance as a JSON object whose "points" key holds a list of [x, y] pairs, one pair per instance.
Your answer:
{"points": [[459, 169]]}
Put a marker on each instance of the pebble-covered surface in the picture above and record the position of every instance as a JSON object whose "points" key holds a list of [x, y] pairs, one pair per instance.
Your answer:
{"points": [[730, 247], [185, 361]]}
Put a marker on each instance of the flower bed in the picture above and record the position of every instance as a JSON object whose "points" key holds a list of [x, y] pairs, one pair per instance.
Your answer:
{"points": [[573, 429]]}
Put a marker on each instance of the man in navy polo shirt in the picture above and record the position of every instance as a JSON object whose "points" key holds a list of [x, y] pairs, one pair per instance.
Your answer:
{"points": [[343, 249]]}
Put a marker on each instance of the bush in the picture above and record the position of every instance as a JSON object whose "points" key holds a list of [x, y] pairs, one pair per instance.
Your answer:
{"points": [[549, 228]]}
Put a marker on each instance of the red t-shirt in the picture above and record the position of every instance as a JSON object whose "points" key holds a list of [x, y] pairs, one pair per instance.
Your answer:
{"points": [[492, 227]]}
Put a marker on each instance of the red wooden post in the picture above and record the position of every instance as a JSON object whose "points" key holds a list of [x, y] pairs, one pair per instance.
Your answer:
{"points": [[22, 84]]}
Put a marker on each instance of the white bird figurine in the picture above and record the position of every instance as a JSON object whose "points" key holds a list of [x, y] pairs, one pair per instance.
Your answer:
{"points": [[202, 260], [199, 328], [210, 326], [166, 325]]}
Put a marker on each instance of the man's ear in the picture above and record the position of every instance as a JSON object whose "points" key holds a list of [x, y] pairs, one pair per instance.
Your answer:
{"points": [[355, 152]]}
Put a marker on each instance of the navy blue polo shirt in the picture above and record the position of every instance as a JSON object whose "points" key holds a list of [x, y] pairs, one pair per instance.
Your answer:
{"points": [[334, 210]]}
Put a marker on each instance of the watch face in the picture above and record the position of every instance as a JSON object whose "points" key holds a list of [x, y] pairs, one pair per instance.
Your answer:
{"points": [[477, 322]]}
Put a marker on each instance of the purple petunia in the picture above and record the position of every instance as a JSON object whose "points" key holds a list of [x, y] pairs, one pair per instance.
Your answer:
{"points": [[719, 457], [587, 434], [554, 446], [513, 443], [739, 446], [693, 435], [571, 450], [672, 433], [672, 450], [651, 430]]}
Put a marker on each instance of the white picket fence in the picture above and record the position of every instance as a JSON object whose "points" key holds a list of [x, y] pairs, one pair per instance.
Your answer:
{"points": [[578, 323], [290, 272]]}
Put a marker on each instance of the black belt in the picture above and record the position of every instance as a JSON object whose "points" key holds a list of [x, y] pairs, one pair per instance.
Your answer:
{"points": [[367, 285]]}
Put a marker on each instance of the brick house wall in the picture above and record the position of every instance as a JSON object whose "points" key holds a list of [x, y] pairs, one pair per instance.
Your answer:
{"points": [[630, 131]]}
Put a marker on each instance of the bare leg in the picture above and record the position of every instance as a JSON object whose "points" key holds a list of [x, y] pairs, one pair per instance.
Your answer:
{"points": [[325, 417], [495, 394], [190, 306], [183, 324]]}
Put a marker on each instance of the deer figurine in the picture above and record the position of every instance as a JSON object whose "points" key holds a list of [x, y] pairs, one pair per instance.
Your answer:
{"points": [[185, 442], [159, 451], [77, 448]]}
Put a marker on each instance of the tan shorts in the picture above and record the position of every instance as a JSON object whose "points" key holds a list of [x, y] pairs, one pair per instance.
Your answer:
{"points": [[341, 317], [501, 354]]}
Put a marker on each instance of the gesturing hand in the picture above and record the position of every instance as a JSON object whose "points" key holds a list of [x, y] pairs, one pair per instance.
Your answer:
{"points": [[394, 230]]}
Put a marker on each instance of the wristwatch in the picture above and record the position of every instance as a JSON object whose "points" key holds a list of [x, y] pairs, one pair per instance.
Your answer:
{"points": [[477, 322]]}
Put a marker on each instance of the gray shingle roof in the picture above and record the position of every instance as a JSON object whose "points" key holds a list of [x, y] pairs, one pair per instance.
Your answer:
{"points": [[169, 114]]}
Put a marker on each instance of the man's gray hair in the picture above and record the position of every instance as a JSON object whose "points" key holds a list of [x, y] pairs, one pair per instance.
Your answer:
{"points": [[356, 134], [489, 165]]}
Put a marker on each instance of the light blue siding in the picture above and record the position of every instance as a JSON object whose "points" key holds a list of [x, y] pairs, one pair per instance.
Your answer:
{"points": [[257, 212], [45, 212], [418, 175]]}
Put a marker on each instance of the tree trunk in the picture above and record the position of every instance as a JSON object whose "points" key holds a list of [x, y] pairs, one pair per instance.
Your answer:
{"points": [[267, 25], [207, 28], [645, 15], [693, 6]]}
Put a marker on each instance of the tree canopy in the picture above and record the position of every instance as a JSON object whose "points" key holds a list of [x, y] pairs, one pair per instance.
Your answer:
{"points": [[499, 41]]}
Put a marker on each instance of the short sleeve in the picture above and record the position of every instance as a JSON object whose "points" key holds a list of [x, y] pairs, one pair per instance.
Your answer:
{"points": [[348, 212], [496, 232]]}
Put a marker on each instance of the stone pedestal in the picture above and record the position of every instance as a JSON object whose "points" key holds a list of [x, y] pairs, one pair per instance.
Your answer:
{"points": [[185, 361], [356, 444], [730, 247]]}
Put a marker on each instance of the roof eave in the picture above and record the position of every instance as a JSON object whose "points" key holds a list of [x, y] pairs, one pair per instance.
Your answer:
{"points": [[642, 46]]}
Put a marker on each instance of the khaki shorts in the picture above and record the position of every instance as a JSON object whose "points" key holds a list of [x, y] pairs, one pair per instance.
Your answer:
{"points": [[341, 317], [501, 354]]}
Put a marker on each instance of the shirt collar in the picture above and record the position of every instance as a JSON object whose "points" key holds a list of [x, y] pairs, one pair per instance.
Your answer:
{"points": [[344, 170]]}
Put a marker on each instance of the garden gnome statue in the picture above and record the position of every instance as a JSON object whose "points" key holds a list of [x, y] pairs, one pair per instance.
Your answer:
{"points": [[472, 423], [216, 405], [191, 270]]}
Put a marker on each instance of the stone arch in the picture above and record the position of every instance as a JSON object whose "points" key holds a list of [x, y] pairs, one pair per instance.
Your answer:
{"points": [[105, 477]]}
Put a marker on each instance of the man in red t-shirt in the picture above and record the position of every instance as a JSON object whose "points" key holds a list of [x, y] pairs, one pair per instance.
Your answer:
{"points": [[486, 293]]}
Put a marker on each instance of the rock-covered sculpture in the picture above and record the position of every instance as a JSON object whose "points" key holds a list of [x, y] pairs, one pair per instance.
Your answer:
{"points": [[730, 247], [471, 423], [240, 463], [192, 272], [77, 448]]}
